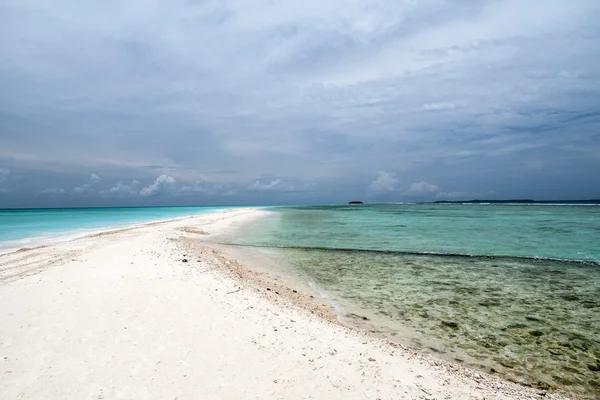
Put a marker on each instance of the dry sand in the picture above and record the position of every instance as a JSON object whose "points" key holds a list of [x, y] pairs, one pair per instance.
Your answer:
{"points": [[121, 316]]}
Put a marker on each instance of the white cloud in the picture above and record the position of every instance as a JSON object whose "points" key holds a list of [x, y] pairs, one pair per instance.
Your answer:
{"points": [[200, 186], [266, 185], [440, 106], [162, 184], [423, 188], [452, 195], [385, 182], [124, 189], [87, 187], [53, 191]]}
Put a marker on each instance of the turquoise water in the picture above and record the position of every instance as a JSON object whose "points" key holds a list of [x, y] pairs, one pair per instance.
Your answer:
{"points": [[511, 289], [560, 232], [30, 227]]}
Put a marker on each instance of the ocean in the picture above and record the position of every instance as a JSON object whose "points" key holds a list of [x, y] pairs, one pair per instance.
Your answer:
{"points": [[33, 227], [510, 289]]}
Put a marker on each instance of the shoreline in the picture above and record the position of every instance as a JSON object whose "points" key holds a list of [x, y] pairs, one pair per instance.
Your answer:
{"points": [[242, 263], [83, 318], [58, 237], [75, 234]]}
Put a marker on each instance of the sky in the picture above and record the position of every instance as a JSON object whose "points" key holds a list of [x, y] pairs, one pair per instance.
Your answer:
{"points": [[201, 102]]}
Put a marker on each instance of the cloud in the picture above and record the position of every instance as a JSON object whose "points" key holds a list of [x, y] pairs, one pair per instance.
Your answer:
{"points": [[270, 185], [4, 173], [82, 189], [423, 188], [87, 187], [452, 195], [202, 185], [195, 188], [440, 106], [461, 195], [459, 93], [385, 182], [162, 184], [53, 191], [124, 189]]}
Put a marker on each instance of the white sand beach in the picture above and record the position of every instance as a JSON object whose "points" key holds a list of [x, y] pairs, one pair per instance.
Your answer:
{"points": [[121, 315]]}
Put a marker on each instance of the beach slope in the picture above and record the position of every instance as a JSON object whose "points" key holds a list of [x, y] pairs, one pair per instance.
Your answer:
{"points": [[148, 313]]}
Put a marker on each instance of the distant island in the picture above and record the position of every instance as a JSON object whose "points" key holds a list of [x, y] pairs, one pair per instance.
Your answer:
{"points": [[356, 202], [517, 201]]}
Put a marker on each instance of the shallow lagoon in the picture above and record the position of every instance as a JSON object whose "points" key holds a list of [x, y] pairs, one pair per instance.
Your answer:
{"points": [[524, 304]]}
